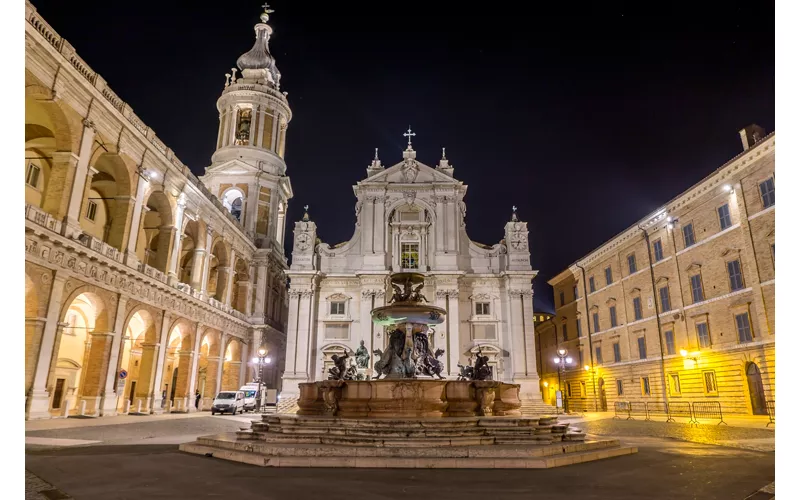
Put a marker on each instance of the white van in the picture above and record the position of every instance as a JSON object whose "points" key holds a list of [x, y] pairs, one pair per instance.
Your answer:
{"points": [[228, 401], [250, 396]]}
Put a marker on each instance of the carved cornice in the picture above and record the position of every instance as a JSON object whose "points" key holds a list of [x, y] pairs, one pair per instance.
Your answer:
{"points": [[516, 293], [446, 293], [370, 293]]}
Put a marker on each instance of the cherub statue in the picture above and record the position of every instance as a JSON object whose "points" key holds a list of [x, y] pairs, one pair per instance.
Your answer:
{"points": [[416, 294]]}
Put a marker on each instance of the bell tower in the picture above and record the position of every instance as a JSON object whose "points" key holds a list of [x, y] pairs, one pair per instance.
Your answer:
{"points": [[248, 171]]}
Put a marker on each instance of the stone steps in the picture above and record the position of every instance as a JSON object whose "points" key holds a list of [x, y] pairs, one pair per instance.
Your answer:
{"points": [[500, 456]]}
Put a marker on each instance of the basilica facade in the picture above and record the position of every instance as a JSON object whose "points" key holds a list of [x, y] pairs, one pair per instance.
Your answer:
{"points": [[411, 217], [145, 285]]}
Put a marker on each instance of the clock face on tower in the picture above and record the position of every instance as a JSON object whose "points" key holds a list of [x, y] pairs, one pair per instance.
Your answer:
{"points": [[303, 241], [518, 241]]}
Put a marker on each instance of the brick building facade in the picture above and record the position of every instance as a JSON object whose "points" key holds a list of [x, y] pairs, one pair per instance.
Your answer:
{"points": [[681, 305]]}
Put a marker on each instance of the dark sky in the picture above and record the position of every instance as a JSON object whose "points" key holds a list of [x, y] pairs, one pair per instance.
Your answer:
{"points": [[585, 120]]}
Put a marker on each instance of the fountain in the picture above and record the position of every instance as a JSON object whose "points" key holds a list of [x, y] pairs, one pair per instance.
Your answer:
{"points": [[408, 415]]}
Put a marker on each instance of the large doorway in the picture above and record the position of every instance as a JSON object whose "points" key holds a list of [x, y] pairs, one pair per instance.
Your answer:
{"points": [[757, 400]]}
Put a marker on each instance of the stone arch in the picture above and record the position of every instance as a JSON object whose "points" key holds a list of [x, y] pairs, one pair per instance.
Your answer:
{"points": [[231, 368], [48, 143], [218, 269], [190, 259], [208, 364], [241, 285], [108, 199], [34, 319], [176, 373], [79, 366], [157, 231], [138, 355]]}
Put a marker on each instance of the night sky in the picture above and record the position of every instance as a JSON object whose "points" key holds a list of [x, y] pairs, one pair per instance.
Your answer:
{"points": [[586, 121]]}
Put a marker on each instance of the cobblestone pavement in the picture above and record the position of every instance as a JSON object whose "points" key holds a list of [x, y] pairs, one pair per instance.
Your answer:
{"points": [[36, 489], [721, 435]]}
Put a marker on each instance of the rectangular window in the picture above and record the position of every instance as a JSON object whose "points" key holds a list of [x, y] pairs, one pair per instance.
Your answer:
{"points": [[735, 275], [663, 294], [675, 384], [697, 288], [598, 355], [617, 355], [409, 255], [609, 279], [484, 331], [578, 327], [337, 308], [575, 292], [743, 327], [583, 389], [569, 390], [337, 331], [561, 297], [767, 189], [632, 263], [596, 321], [724, 217], [669, 339], [703, 337], [645, 386], [710, 382], [642, 348], [564, 332], [620, 391], [688, 235], [612, 312], [637, 308], [482, 308], [32, 175], [91, 210], [658, 250], [591, 285]]}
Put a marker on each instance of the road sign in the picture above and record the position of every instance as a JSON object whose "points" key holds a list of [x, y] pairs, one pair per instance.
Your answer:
{"points": [[123, 374]]}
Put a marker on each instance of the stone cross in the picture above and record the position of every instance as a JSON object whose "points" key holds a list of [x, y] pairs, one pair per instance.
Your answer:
{"points": [[409, 134], [376, 153], [443, 156]]}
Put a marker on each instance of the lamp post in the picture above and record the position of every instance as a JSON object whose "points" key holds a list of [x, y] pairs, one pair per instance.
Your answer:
{"points": [[562, 360], [261, 360]]}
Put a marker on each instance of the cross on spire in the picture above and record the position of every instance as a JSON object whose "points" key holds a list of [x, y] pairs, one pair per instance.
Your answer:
{"points": [[409, 134], [266, 13]]}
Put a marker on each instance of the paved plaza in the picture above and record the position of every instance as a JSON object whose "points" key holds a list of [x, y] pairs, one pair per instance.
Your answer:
{"points": [[126, 457]]}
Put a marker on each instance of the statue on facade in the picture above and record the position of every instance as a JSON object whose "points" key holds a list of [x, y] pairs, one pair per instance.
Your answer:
{"points": [[481, 370], [342, 369], [362, 356]]}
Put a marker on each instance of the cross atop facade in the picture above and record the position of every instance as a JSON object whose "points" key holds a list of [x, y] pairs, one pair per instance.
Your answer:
{"points": [[409, 134], [266, 13]]}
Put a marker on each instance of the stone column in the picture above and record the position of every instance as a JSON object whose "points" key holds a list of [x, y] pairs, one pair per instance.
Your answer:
{"points": [[523, 344], [183, 382], [38, 398], [159, 371], [96, 370], [261, 290], [59, 187], [193, 369], [231, 270], [206, 264], [172, 272], [454, 340], [130, 248], [297, 369], [198, 261], [72, 225], [222, 348], [166, 241], [108, 403], [243, 368], [144, 384]]}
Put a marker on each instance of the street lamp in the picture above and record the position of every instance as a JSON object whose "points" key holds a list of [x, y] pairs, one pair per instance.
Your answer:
{"points": [[261, 360], [562, 360]]}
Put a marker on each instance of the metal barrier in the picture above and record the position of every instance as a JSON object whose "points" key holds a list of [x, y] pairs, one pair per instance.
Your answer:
{"points": [[656, 408], [638, 409], [707, 409], [680, 409], [771, 412], [622, 408]]}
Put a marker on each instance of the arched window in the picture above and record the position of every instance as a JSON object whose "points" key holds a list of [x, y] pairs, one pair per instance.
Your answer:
{"points": [[233, 200]]}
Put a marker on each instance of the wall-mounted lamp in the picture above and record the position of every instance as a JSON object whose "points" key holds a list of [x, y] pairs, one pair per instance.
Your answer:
{"points": [[671, 222], [727, 188], [689, 359]]}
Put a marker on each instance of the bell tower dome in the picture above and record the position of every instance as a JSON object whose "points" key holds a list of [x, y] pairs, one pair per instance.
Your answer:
{"points": [[248, 171]]}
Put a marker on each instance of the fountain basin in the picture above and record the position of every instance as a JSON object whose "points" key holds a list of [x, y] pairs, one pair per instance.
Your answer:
{"points": [[409, 398]]}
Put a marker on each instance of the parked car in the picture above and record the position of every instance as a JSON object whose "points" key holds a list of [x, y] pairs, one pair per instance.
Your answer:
{"points": [[251, 396], [228, 401]]}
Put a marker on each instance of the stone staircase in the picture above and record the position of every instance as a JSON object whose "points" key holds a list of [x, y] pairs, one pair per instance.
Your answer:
{"points": [[283, 440], [535, 408]]}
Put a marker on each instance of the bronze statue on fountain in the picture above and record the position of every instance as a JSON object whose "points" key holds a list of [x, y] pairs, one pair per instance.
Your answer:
{"points": [[410, 317]]}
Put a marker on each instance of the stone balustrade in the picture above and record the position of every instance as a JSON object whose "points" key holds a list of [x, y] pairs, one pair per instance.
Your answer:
{"points": [[44, 219]]}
